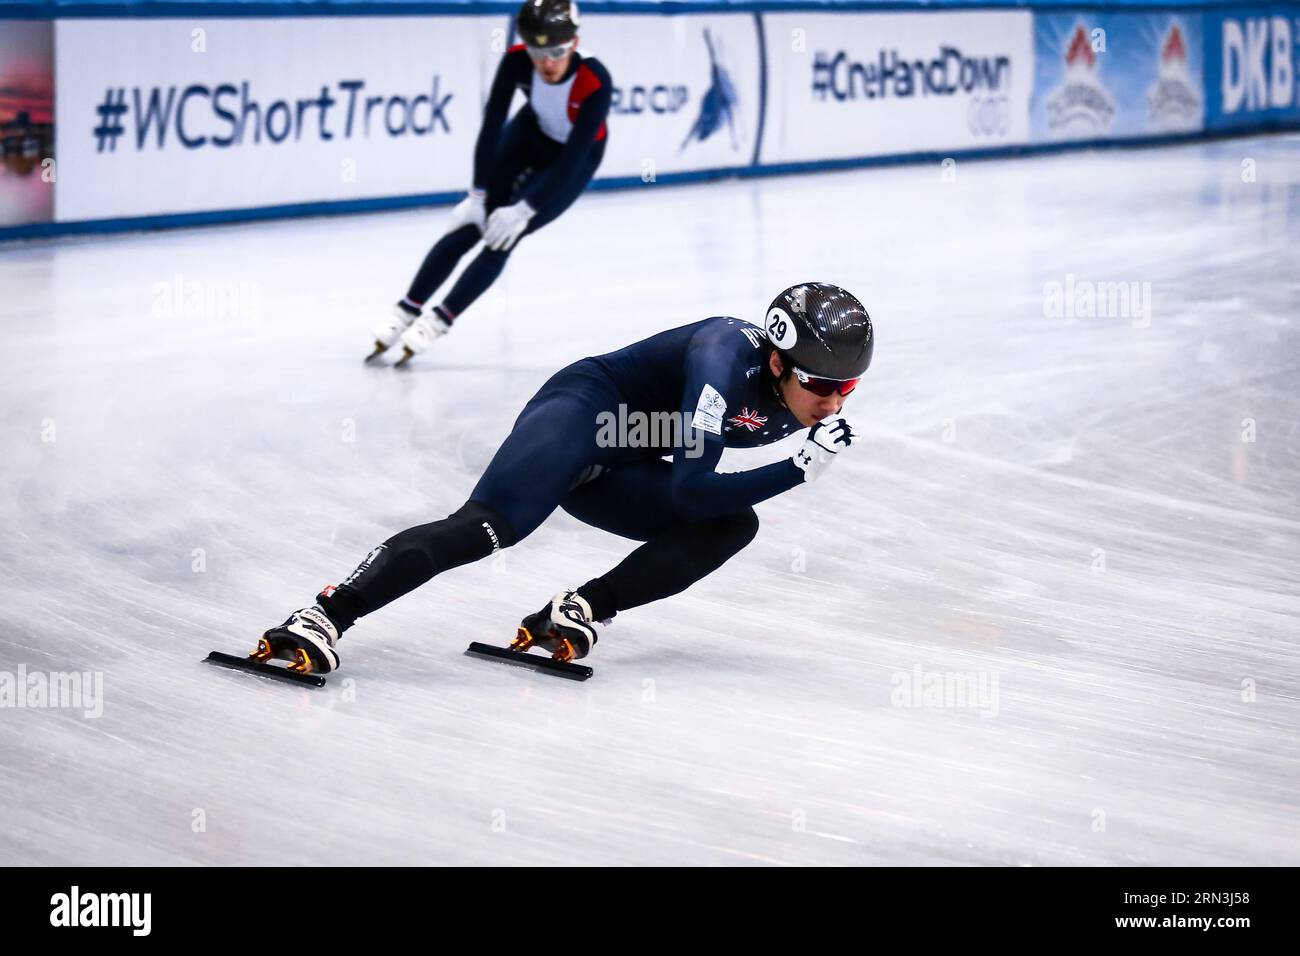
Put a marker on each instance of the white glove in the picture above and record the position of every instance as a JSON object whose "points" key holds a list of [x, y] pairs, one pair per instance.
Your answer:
{"points": [[827, 439], [507, 224], [470, 210]]}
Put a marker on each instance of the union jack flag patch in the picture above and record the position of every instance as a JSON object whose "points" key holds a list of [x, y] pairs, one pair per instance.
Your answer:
{"points": [[747, 419]]}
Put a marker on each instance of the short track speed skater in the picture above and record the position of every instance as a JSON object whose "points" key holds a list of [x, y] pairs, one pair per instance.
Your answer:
{"points": [[750, 385]]}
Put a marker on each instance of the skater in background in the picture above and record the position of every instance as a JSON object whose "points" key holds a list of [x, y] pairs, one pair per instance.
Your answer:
{"points": [[525, 174], [729, 384]]}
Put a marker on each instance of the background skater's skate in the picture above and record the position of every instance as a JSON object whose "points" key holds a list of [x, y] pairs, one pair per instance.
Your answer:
{"points": [[422, 333], [389, 330]]}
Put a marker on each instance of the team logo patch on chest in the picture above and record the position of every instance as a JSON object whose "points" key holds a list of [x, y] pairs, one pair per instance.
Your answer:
{"points": [[747, 419], [709, 411]]}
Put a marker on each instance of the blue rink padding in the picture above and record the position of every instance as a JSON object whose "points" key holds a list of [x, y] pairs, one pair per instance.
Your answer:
{"points": [[1241, 90]]}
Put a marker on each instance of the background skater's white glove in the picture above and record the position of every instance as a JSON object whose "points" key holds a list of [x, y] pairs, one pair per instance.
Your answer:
{"points": [[828, 438], [507, 224], [470, 210]]}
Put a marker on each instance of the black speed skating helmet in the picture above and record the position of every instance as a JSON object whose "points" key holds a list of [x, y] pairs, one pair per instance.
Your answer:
{"points": [[822, 329], [543, 23]]}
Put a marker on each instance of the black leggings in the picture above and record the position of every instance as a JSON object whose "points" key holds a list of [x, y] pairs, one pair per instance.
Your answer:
{"points": [[669, 562]]}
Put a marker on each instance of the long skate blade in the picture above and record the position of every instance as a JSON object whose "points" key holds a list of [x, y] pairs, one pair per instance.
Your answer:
{"points": [[264, 670], [534, 661]]}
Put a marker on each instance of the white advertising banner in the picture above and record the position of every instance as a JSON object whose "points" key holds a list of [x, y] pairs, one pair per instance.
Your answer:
{"points": [[174, 116], [841, 86], [685, 91]]}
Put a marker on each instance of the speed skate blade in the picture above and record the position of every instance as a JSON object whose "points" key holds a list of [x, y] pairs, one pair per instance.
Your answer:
{"points": [[265, 670], [534, 661]]}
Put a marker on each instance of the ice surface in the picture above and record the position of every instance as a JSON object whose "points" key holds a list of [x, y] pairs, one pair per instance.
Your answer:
{"points": [[1068, 506]]}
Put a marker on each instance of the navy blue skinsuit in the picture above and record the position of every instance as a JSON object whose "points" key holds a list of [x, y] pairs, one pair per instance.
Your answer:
{"points": [[554, 441], [691, 517]]}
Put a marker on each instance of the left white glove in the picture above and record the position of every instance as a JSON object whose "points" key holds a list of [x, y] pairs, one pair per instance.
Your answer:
{"points": [[507, 224], [828, 438]]}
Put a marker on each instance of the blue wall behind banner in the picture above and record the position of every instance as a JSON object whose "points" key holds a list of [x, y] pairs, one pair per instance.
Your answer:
{"points": [[1252, 75], [705, 90], [1101, 75]]}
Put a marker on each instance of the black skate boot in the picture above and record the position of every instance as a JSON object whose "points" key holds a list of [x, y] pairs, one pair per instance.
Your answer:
{"points": [[307, 640], [564, 627]]}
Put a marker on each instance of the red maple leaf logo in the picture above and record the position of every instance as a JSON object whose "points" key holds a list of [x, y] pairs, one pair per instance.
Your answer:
{"points": [[747, 419], [1080, 49]]}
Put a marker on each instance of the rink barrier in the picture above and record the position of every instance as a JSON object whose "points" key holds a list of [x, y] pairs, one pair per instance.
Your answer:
{"points": [[53, 9], [759, 89], [387, 204]]}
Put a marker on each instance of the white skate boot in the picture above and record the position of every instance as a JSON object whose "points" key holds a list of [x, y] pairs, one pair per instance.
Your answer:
{"points": [[307, 640], [564, 627], [421, 335], [389, 330]]}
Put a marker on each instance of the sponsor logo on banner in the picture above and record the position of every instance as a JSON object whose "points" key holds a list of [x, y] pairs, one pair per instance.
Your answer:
{"points": [[716, 106], [1081, 102], [983, 79], [1174, 99], [685, 91], [27, 169], [1254, 69], [231, 115], [719, 107], [658, 98], [1112, 75], [254, 112], [846, 85]]}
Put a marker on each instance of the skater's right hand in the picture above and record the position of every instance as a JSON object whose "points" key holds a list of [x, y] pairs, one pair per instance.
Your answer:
{"points": [[471, 210], [828, 438]]}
